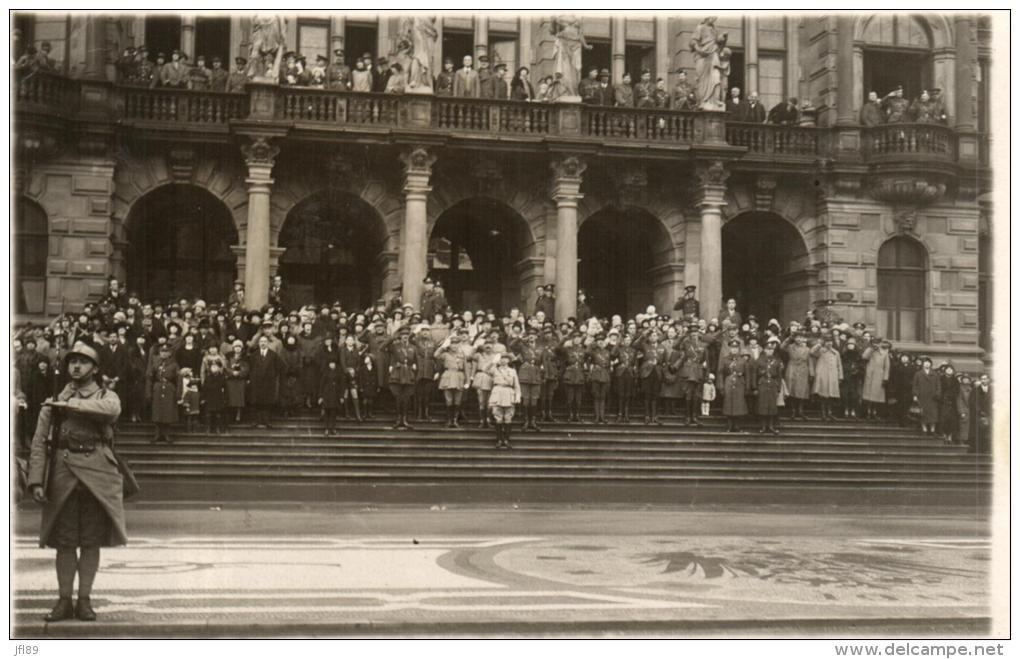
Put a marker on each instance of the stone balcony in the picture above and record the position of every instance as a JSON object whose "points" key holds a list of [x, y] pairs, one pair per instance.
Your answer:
{"points": [[53, 102]]}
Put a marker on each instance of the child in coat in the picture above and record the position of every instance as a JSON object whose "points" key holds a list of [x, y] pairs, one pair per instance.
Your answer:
{"points": [[707, 394], [190, 401]]}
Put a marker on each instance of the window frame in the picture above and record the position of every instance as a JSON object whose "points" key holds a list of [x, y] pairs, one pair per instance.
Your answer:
{"points": [[894, 276]]}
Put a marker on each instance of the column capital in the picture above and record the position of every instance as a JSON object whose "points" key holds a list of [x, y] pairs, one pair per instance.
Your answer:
{"points": [[712, 176], [260, 156], [418, 162], [567, 177]]}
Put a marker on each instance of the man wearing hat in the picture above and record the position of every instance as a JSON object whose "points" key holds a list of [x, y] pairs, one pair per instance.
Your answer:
{"points": [[465, 80], [174, 73], [853, 377], [217, 76], [338, 74], [381, 75], [693, 368], [265, 370], [236, 80], [529, 374], [602, 94], [444, 81], [766, 383], [799, 372], [497, 85], [506, 392], [452, 355], [427, 374], [485, 76], [688, 305], [77, 480], [828, 368], [432, 300], [402, 368], [586, 88]]}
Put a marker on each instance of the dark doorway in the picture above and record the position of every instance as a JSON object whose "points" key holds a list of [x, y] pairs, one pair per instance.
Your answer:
{"points": [[765, 267], [456, 45], [31, 249], [638, 57], [885, 70], [599, 56], [473, 250], [736, 78], [212, 39], [358, 40], [617, 250], [333, 244], [180, 238], [163, 35]]}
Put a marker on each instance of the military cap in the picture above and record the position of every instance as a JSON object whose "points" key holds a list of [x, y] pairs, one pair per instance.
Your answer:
{"points": [[604, 73], [217, 59], [403, 329], [690, 288], [242, 61], [734, 343], [483, 58], [338, 51], [500, 67], [859, 325], [321, 58], [382, 60]]}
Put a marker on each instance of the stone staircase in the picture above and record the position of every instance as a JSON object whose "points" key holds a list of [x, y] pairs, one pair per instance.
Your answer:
{"points": [[809, 462]]}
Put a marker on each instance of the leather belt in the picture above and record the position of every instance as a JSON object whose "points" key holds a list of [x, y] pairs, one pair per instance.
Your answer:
{"points": [[77, 446]]}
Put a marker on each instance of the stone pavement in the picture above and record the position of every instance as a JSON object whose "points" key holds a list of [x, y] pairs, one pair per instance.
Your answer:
{"points": [[335, 585]]}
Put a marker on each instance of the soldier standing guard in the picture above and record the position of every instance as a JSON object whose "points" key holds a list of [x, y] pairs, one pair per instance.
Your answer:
{"points": [[688, 306], [338, 74], [550, 373], [768, 373], [599, 376], [692, 371], [403, 367], [506, 392], [529, 374], [78, 480], [624, 360], [425, 347]]}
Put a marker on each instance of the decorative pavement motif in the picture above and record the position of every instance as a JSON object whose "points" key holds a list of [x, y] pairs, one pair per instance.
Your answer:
{"points": [[277, 581]]}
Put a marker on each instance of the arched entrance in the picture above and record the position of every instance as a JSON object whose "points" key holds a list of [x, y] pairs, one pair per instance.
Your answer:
{"points": [[766, 268], [475, 248], [333, 243], [618, 252], [179, 245], [31, 248]]}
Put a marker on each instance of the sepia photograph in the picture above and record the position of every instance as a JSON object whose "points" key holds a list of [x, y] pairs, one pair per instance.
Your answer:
{"points": [[489, 324]]}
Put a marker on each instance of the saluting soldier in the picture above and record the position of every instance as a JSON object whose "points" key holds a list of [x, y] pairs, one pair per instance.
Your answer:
{"points": [[624, 361], [506, 392], [768, 373], [403, 367], [529, 373], [650, 374], [575, 364], [425, 348], [78, 481], [688, 305], [453, 381], [600, 363], [550, 361], [693, 367]]}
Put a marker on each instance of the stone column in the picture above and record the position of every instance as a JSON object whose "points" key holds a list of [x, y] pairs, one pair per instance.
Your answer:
{"points": [[437, 54], [236, 41], [750, 55], [382, 37], [845, 70], [337, 27], [95, 46], [414, 239], [618, 33], [482, 37], [793, 58], [260, 156], [188, 37], [566, 192], [711, 198], [524, 55], [663, 58], [966, 60]]}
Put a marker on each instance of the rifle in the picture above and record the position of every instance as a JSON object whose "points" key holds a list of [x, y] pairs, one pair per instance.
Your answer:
{"points": [[56, 419]]}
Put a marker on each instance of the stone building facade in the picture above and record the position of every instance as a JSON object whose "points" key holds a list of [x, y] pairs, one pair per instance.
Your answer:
{"points": [[350, 195]]}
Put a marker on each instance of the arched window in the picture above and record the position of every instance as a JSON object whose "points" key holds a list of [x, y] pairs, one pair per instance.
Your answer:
{"points": [[902, 266], [897, 51], [31, 247]]}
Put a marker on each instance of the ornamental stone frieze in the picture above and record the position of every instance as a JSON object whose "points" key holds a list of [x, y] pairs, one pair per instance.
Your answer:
{"points": [[907, 189]]}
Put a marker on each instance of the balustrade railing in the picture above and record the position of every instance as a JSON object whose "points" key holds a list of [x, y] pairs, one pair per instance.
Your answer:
{"points": [[643, 124], [489, 115], [774, 139], [183, 106], [53, 91], [901, 139], [328, 106]]}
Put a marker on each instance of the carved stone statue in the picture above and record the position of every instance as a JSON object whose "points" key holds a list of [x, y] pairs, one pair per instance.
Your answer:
{"points": [[708, 66], [567, 53], [267, 38], [418, 40]]}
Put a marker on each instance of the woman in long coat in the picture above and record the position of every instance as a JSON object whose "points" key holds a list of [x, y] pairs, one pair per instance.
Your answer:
{"points": [[876, 376], [901, 387], [767, 381], [237, 379], [949, 391], [828, 374], [735, 372], [290, 391], [672, 388], [799, 371], [926, 389], [162, 377], [963, 405]]}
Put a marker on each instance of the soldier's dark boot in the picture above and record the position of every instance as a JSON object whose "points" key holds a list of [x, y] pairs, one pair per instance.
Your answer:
{"points": [[398, 422], [357, 410], [506, 435], [407, 426], [83, 610], [694, 413], [499, 436], [64, 610], [772, 426], [534, 422]]}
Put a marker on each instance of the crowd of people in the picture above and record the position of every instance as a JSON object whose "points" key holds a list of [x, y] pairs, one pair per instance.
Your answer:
{"points": [[219, 364]]}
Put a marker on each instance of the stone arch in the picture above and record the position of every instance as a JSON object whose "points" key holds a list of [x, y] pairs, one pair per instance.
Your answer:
{"points": [[669, 216], [767, 265], [531, 207], [938, 26], [793, 200]]}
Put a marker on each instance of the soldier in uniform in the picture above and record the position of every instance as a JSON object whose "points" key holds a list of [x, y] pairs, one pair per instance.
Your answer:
{"points": [[198, 75], [218, 76], [550, 361], [660, 97], [736, 373], [644, 91], [485, 76], [586, 88], [162, 378], [896, 108], [683, 94], [78, 481], [546, 302], [575, 365], [444, 81], [767, 377], [693, 367], [623, 93], [236, 80], [529, 374], [403, 367], [600, 362], [425, 348], [624, 362], [338, 74], [583, 310], [650, 374], [506, 392], [453, 381], [688, 305]]}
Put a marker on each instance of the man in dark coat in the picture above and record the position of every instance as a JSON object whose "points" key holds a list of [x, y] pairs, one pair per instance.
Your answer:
{"points": [[736, 106], [754, 112], [78, 480], [785, 113], [871, 111], [981, 416], [265, 370], [114, 362], [402, 365], [583, 310], [546, 302], [688, 306], [693, 368], [767, 375]]}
